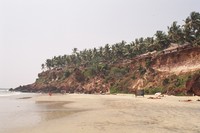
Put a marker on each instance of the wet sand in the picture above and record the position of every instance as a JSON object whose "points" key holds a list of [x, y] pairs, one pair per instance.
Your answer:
{"points": [[78, 113], [18, 111]]}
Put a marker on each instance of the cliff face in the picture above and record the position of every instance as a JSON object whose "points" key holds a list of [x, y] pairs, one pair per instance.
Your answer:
{"points": [[167, 71], [176, 68], [178, 62]]}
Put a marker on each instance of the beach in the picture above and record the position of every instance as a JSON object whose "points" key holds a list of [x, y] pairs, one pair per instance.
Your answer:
{"points": [[82, 113], [18, 110]]}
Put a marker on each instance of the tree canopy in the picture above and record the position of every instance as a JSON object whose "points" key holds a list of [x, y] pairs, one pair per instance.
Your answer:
{"points": [[189, 32]]}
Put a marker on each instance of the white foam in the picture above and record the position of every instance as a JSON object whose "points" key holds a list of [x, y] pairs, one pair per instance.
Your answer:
{"points": [[8, 93]]}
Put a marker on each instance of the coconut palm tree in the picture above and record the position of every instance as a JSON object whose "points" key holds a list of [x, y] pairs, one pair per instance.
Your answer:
{"points": [[74, 50], [175, 33], [49, 63], [161, 40], [43, 66], [107, 52], [192, 28]]}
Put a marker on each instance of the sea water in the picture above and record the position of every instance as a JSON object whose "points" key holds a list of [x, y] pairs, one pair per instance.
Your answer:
{"points": [[19, 111], [5, 92], [16, 111]]}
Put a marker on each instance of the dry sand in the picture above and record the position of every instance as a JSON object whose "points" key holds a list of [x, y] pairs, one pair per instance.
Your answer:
{"points": [[119, 114]]}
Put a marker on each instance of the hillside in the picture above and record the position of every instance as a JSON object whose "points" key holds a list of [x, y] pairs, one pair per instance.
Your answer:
{"points": [[167, 62], [167, 72]]}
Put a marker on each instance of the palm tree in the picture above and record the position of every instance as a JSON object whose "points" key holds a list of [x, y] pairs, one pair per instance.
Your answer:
{"points": [[49, 63], [83, 55], [132, 50], [101, 51], [74, 50], [175, 33], [119, 49], [68, 60], [94, 53], [107, 52], [43, 66], [89, 55], [189, 32], [192, 28], [161, 40]]}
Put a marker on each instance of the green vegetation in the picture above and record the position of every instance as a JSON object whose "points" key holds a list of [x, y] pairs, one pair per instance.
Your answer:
{"points": [[142, 70], [175, 81], [165, 81], [115, 64], [66, 74], [134, 77], [118, 72], [90, 72], [148, 63], [151, 91], [119, 88], [114, 89], [172, 84], [41, 80], [189, 32]]}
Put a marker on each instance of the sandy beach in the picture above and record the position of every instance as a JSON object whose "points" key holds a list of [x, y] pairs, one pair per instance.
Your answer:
{"points": [[80, 113]]}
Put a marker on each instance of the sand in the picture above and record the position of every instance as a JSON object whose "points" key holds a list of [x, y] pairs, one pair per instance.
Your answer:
{"points": [[117, 114]]}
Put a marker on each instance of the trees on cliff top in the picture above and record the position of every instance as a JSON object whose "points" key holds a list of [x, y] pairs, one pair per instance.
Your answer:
{"points": [[188, 32]]}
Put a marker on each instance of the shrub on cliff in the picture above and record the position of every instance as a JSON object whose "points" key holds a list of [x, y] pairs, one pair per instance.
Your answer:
{"points": [[90, 72], [66, 74], [118, 72], [154, 90], [142, 70]]}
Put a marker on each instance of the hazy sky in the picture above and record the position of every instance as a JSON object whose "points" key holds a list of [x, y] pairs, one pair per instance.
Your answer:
{"points": [[33, 30]]}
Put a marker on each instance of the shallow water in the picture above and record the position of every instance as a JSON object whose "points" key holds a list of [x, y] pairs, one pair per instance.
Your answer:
{"points": [[15, 112], [6, 93], [21, 111]]}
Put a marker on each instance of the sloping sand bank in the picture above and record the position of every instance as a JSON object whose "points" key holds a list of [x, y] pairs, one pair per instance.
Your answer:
{"points": [[122, 114]]}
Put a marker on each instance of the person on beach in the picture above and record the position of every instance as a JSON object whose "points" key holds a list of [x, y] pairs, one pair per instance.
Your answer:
{"points": [[50, 93]]}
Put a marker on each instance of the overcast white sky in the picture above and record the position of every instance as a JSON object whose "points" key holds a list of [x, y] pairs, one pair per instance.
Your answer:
{"points": [[33, 30]]}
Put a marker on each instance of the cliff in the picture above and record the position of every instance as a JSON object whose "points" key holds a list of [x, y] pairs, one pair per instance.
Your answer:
{"points": [[167, 62], [172, 71]]}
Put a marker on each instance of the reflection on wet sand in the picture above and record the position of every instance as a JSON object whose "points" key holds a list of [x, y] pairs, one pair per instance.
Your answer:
{"points": [[55, 109]]}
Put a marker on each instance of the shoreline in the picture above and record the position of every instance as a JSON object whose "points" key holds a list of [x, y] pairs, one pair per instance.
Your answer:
{"points": [[116, 114]]}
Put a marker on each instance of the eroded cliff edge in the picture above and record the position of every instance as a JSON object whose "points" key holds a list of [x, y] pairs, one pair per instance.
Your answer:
{"points": [[172, 71]]}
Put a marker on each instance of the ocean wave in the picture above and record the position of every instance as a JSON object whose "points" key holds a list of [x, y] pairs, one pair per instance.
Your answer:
{"points": [[8, 93], [2, 90]]}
